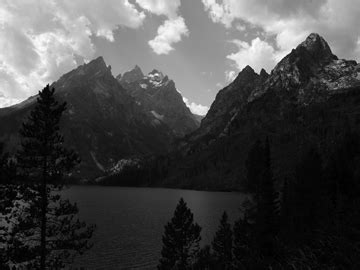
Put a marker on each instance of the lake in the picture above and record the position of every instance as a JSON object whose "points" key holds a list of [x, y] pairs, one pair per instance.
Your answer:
{"points": [[130, 221]]}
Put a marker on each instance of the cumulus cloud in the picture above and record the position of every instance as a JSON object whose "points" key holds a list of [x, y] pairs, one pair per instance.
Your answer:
{"points": [[173, 28], [196, 108], [259, 54], [40, 40], [230, 76], [290, 21], [170, 32], [161, 7]]}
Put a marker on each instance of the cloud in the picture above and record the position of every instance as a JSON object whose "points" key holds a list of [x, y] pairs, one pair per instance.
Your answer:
{"points": [[288, 22], [172, 29], [259, 54], [240, 27], [40, 40], [196, 108], [161, 7], [168, 33], [230, 75], [6, 102]]}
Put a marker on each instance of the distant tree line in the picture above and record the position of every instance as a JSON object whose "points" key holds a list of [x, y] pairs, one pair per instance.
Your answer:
{"points": [[310, 221], [38, 228]]}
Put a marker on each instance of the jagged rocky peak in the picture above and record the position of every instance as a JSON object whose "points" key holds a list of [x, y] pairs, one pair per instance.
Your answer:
{"points": [[248, 70], [133, 75], [317, 47], [97, 65], [247, 74], [264, 74], [94, 69], [311, 71], [156, 75]]}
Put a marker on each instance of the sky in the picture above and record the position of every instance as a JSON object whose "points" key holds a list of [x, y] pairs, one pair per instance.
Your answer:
{"points": [[200, 44]]}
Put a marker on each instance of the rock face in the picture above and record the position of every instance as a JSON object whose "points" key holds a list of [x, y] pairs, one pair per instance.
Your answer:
{"points": [[228, 103], [159, 96], [307, 98], [102, 122], [311, 72], [131, 76]]}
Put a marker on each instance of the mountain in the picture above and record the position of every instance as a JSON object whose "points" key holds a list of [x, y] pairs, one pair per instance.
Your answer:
{"points": [[228, 103], [310, 99], [159, 96], [102, 122]]}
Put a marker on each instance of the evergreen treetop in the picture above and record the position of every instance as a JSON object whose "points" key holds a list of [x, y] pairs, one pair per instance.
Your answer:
{"points": [[180, 240]]}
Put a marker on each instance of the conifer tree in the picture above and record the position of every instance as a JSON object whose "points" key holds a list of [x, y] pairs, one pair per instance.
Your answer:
{"points": [[180, 240], [43, 160], [243, 251], [223, 243], [309, 191], [267, 205], [254, 165], [7, 167], [204, 259]]}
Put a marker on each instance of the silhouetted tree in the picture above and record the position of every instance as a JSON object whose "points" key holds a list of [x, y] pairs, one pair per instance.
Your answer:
{"points": [[254, 165], [261, 213], [267, 205], [7, 166], [223, 243], [244, 251], [307, 198], [43, 160], [204, 259], [180, 240]]}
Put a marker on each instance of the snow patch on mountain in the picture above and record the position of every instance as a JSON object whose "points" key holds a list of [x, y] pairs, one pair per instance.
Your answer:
{"points": [[101, 167], [157, 116], [123, 163]]}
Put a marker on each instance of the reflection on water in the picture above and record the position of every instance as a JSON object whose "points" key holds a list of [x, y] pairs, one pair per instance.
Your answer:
{"points": [[130, 221]]}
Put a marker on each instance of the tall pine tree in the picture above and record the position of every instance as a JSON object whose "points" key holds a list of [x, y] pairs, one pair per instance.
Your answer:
{"points": [[267, 205], [254, 165], [43, 160], [180, 240], [223, 243]]}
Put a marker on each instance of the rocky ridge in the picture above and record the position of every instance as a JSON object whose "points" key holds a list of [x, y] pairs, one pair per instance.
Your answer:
{"points": [[159, 96]]}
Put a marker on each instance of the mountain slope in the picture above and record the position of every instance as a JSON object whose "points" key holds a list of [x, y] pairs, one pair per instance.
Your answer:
{"points": [[102, 122], [159, 96], [309, 99]]}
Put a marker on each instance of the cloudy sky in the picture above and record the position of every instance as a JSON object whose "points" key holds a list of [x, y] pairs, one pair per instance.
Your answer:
{"points": [[200, 44]]}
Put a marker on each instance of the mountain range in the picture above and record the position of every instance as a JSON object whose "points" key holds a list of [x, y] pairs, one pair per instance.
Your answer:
{"points": [[309, 98], [104, 122]]}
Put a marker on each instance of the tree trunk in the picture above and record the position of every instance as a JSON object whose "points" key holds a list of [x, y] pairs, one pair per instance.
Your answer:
{"points": [[43, 220]]}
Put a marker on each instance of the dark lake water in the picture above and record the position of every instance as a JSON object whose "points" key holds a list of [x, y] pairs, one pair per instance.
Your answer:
{"points": [[130, 221]]}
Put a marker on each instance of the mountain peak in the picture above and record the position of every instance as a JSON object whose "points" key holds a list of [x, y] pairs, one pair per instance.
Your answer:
{"points": [[132, 75], [246, 74], [99, 61], [95, 68], [263, 73], [156, 75], [137, 69], [154, 71], [317, 47], [248, 69], [97, 64]]}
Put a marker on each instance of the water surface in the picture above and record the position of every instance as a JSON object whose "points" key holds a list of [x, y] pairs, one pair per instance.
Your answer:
{"points": [[130, 221]]}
